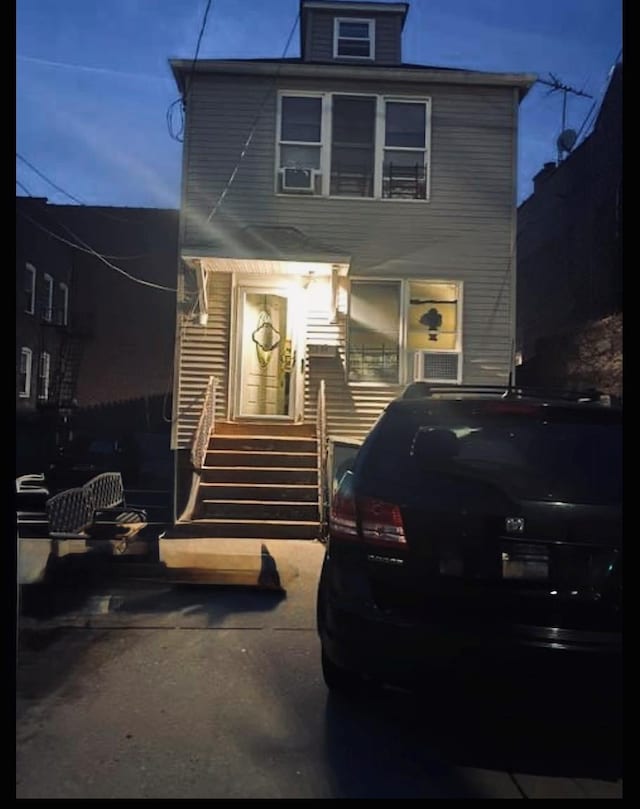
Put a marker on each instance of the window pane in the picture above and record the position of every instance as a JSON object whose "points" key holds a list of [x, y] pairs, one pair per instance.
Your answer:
{"points": [[359, 30], [404, 174], [301, 119], [405, 124], [352, 152], [305, 157], [374, 332], [354, 47], [432, 317]]}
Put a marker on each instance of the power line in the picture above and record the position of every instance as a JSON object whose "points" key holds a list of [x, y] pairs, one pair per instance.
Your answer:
{"points": [[46, 179], [24, 188], [254, 126], [180, 103], [95, 254]]}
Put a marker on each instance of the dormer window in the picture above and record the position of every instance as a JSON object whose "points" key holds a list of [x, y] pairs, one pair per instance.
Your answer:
{"points": [[354, 38]]}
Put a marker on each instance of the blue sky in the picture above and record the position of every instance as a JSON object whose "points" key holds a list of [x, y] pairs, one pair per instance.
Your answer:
{"points": [[93, 82]]}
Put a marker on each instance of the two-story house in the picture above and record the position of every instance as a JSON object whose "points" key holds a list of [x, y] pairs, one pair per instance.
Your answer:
{"points": [[347, 226]]}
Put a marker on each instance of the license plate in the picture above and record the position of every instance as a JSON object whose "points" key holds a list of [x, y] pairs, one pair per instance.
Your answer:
{"points": [[526, 562]]}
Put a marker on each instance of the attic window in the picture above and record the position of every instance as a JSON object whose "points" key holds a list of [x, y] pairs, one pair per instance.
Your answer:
{"points": [[353, 38]]}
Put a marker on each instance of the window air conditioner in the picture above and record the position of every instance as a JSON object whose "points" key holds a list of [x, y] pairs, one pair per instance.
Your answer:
{"points": [[438, 366], [296, 179]]}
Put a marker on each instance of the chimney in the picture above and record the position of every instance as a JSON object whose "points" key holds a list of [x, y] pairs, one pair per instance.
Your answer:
{"points": [[545, 172]]}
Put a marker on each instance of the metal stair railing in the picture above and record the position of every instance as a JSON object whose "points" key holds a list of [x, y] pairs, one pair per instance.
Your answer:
{"points": [[321, 433], [71, 511], [205, 426]]}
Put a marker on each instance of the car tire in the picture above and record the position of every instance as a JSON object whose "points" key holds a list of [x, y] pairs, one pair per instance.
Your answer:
{"points": [[339, 680]]}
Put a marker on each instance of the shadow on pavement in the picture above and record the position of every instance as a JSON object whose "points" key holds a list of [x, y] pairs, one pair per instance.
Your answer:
{"points": [[392, 744]]}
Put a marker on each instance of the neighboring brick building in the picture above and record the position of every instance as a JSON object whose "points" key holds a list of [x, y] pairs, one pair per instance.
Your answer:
{"points": [[87, 335], [569, 278]]}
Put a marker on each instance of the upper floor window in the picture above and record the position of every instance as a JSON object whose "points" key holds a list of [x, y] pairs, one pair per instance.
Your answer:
{"points": [[347, 145], [354, 38], [30, 289], [300, 144], [404, 173], [24, 384], [48, 298], [43, 376], [64, 312]]}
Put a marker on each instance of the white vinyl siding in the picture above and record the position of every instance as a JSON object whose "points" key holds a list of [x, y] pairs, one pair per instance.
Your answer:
{"points": [[26, 359], [30, 289]]}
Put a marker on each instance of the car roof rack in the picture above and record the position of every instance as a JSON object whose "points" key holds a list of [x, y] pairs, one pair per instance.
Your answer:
{"points": [[426, 390]]}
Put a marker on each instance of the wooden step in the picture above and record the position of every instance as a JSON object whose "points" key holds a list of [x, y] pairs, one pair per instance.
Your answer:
{"points": [[258, 510], [245, 529], [259, 475], [259, 491], [251, 443], [264, 428], [308, 460]]}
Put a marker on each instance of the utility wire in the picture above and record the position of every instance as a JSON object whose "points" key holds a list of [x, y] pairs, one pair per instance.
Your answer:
{"points": [[181, 103], [95, 254], [24, 188], [254, 125], [46, 179]]}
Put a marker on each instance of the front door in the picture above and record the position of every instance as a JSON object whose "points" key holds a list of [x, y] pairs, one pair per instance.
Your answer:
{"points": [[267, 354]]}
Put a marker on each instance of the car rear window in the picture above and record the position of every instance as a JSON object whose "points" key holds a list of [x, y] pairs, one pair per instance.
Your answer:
{"points": [[534, 457]]}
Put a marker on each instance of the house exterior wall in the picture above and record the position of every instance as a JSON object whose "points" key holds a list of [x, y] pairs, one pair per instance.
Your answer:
{"points": [[320, 36], [463, 233]]}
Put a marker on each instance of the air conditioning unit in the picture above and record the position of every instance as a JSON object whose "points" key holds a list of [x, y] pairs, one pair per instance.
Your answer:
{"points": [[438, 366], [297, 179]]}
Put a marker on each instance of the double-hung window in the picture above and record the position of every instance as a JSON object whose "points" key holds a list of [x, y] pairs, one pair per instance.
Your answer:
{"points": [[24, 384], [30, 289], [373, 339], [404, 173], [44, 368], [64, 313], [48, 298], [354, 39], [300, 144], [348, 145]]}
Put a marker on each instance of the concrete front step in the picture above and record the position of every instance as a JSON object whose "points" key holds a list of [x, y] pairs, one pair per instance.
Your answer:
{"points": [[259, 475], [306, 460], [244, 529], [258, 510], [307, 492], [275, 443]]}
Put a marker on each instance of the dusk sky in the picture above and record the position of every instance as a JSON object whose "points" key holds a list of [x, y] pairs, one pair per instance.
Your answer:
{"points": [[94, 85]]}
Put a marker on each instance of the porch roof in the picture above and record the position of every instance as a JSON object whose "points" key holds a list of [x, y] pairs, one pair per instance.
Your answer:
{"points": [[269, 243]]}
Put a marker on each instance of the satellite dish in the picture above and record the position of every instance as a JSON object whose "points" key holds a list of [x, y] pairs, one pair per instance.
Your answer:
{"points": [[567, 140]]}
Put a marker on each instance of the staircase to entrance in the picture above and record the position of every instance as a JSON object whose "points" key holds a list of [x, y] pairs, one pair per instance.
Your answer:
{"points": [[259, 480]]}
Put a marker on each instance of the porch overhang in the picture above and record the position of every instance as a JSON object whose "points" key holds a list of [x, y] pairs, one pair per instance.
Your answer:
{"points": [[264, 251]]}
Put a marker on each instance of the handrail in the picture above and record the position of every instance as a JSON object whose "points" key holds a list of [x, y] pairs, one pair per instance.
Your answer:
{"points": [[72, 510], [206, 423], [321, 434]]}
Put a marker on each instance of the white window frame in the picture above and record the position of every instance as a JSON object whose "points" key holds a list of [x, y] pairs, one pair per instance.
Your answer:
{"points": [[64, 291], [26, 356], [371, 38], [414, 364], [30, 306], [44, 376], [381, 137], [325, 144], [321, 144], [48, 305]]}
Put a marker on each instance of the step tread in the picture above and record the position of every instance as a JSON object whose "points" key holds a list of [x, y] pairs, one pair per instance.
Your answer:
{"points": [[261, 485], [274, 503], [262, 468], [231, 521], [260, 451], [244, 436]]}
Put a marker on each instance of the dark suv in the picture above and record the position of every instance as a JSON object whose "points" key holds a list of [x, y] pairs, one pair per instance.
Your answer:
{"points": [[477, 527]]}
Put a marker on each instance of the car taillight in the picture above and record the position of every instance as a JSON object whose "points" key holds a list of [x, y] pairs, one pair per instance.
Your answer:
{"points": [[342, 518], [380, 522]]}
